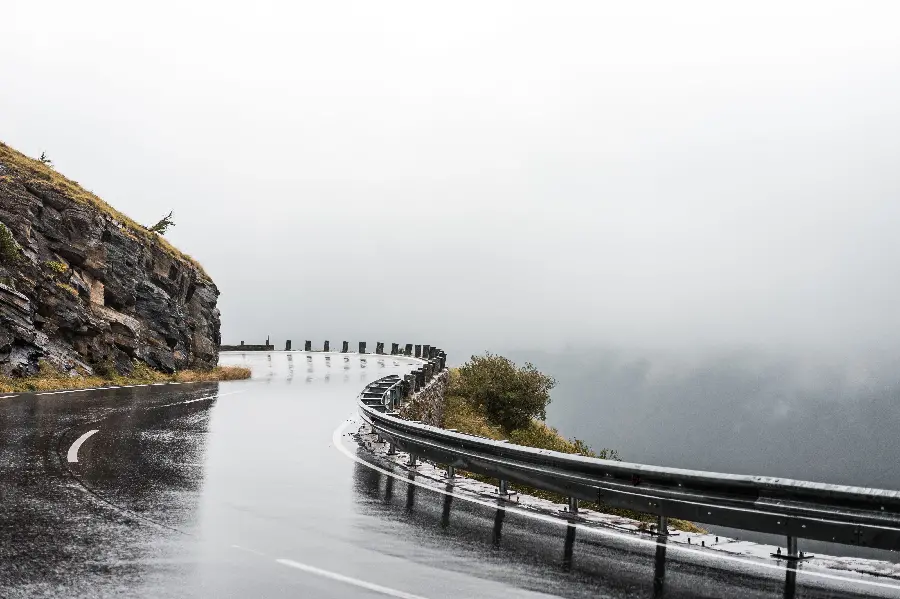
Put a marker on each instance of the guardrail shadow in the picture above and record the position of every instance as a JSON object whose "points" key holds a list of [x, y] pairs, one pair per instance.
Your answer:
{"points": [[417, 507]]}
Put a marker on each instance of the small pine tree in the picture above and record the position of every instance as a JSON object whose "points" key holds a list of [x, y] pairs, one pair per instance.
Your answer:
{"points": [[45, 160], [163, 225]]}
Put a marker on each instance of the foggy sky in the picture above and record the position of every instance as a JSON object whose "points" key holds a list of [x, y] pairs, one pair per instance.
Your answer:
{"points": [[538, 174]]}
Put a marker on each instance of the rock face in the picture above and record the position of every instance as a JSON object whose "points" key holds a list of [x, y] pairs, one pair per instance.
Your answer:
{"points": [[86, 289]]}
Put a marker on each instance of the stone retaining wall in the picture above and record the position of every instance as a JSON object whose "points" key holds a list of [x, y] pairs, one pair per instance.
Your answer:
{"points": [[427, 404]]}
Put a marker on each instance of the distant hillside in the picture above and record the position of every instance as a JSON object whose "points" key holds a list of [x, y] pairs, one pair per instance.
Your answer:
{"points": [[86, 288]]}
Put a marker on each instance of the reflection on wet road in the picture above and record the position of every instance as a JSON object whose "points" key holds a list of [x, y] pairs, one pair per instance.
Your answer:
{"points": [[235, 490]]}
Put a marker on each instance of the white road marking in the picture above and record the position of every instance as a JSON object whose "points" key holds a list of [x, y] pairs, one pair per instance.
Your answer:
{"points": [[73, 451], [112, 387], [339, 432], [181, 403], [8, 396], [348, 580]]}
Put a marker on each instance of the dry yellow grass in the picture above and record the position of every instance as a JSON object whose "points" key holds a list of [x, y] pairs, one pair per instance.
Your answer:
{"points": [[31, 170], [51, 379]]}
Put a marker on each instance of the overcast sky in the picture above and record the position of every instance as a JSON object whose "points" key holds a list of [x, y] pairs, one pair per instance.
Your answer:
{"points": [[491, 174]]}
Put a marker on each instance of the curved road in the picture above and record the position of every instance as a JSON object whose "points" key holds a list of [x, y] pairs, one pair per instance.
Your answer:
{"points": [[237, 490]]}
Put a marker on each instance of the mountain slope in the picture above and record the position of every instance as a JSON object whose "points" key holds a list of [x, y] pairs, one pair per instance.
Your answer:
{"points": [[87, 289]]}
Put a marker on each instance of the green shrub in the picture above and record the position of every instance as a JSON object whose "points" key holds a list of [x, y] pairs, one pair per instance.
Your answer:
{"points": [[9, 249], [510, 396], [57, 267]]}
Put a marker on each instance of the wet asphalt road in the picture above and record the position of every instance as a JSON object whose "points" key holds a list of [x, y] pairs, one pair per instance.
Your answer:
{"points": [[236, 490]]}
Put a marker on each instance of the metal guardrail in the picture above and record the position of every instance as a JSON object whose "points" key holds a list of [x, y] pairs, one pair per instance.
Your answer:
{"points": [[792, 508]]}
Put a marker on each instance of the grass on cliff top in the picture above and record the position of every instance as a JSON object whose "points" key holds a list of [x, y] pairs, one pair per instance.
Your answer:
{"points": [[29, 169], [465, 417], [53, 379]]}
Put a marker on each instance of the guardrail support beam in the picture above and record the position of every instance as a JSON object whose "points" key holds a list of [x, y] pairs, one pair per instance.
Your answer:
{"points": [[503, 489], [792, 546], [662, 525]]}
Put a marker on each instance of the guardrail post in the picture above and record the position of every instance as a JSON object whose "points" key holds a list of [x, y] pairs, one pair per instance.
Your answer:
{"points": [[395, 349], [346, 347], [362, 347], [792, 546], [662, 525], [408, 350], [418, 351], [287, 345], [392, 450], [573, 505], [412, 460], [503, 489], [451, 472]]}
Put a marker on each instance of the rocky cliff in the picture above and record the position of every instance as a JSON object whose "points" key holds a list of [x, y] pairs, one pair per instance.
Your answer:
{"points": [[85, 288]]}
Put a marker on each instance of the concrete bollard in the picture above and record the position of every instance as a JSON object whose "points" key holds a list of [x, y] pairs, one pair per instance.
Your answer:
{"points": [[287, 345], [346, 347], [429, 371], [433, 353], [327, 346], [426, 350], [408, 350], [307, 346], [379, 347], [362, 347], [420, 379], [418, 351], [410, 386], [395, 349]]}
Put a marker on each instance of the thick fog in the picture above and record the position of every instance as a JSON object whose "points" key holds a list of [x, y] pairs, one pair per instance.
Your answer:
{"points": [[492, 175]]}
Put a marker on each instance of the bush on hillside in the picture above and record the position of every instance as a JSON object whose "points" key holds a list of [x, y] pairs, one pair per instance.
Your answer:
{"points": [[510, 396]]}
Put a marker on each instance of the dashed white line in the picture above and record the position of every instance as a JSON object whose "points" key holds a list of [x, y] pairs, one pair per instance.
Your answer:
{"points": [[181, 403], [73, 451], [369, 586]]}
